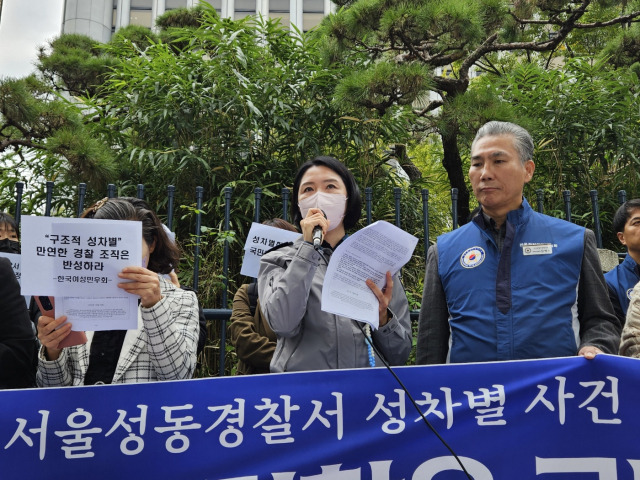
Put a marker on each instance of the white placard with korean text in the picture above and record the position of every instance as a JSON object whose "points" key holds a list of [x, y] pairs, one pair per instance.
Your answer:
{"points": [[260, 239], [77, 261], [15, 260], [77, 257]]}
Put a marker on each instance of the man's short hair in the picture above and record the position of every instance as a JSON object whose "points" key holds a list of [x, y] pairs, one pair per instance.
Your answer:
{"points": [[522, 140], [624, 213]]}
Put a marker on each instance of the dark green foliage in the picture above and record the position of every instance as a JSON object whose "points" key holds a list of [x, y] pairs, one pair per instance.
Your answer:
{"points": [[74, 63], [383, 86], [43, 137], [624, 49], [584, 120], [173, 22], [183, 17], [237, 104], [384, 40], [133, 39]]}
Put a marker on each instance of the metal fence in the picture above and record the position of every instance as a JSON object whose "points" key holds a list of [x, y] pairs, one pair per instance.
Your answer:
{"points": [[223, 314]]}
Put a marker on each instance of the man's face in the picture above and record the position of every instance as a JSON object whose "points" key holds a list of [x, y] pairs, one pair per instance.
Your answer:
{"points": [[497, 175], [630, 236]]}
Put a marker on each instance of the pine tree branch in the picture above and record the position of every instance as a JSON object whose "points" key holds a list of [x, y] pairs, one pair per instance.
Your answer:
{"points": [[479, 52], [430, 107], [615, 21], [624, 19], [451, 85], [16, 125], [17, 142], [487, 66], [489, 46]]}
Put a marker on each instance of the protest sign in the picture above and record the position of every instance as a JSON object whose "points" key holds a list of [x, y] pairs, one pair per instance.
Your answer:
{"points": [[552, 419], [77, 261], [262, 238]]}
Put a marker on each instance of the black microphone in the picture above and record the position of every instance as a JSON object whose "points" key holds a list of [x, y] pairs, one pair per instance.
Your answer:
{"points": [[317, 234]]}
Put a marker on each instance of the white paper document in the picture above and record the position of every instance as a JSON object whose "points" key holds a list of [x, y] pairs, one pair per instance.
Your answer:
{"points": [[260, 239], [94, 314], [367, 254]]}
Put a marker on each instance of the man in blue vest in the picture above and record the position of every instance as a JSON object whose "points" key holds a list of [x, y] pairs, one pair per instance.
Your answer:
{"points": [[624, 277], [512, 283]]}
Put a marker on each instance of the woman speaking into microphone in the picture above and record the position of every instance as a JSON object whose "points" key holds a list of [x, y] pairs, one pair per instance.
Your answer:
{"points": [[326, 198]]}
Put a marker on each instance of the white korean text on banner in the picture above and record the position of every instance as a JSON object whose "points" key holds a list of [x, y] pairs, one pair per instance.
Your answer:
{"points": [[554, 419]]}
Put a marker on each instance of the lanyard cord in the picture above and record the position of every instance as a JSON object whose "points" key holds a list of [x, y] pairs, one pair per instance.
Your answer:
{"points": [[369, 341], [413, 402]]}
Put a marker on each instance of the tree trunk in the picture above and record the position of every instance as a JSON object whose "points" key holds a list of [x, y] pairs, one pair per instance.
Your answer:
{"points": [[453, 165]]}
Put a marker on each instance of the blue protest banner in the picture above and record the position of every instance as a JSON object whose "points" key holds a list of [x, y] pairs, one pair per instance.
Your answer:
{"points": [[564, 419]]}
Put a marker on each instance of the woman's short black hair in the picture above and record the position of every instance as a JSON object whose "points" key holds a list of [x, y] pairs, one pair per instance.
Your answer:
{"points": [[623, 214], [165, 255], [8, 220], [354, 200]]}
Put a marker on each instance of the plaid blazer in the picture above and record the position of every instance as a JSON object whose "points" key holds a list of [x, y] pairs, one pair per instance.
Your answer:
{"points": [[163, 347]]}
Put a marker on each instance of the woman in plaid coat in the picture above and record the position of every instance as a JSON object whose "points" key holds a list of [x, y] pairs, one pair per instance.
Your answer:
{"points": [[163, 347]]}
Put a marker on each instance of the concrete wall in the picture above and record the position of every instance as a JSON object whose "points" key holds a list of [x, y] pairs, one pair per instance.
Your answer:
{"points": [[89, 17]]}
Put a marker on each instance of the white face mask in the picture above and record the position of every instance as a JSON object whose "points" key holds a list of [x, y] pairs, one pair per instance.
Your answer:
{"points": [[333, 205]]}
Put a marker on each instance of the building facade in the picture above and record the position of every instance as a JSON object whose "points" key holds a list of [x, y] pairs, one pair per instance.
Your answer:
{"points": [[99, 19]]}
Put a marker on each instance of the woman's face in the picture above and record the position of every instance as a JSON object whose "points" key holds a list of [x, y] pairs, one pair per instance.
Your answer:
{"points": [[320, 179], [7, 231]]}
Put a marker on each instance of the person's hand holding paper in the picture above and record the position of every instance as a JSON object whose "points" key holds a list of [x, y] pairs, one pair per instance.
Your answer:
{"points": [[384, 298]]}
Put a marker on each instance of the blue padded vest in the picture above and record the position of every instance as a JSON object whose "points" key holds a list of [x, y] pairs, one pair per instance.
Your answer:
{"points": [[622, 279], [516, 304]]}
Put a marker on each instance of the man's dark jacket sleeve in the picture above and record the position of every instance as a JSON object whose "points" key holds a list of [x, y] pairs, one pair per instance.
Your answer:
{"points": [[599, 325], [433, 325]]}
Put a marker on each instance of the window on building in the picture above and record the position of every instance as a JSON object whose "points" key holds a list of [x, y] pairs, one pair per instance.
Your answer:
{"points": [[280, 9], [141, 17], [244, 8], [312, 13]]}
